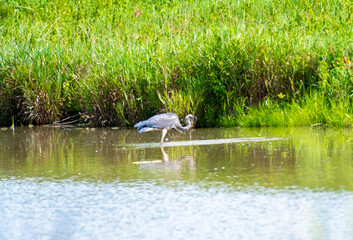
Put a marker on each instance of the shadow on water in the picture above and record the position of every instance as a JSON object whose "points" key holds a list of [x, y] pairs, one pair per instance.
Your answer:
{"points": [[301, 157]]}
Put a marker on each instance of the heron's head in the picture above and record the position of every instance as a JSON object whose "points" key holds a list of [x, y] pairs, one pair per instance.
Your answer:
{"points": [[192, 119]]}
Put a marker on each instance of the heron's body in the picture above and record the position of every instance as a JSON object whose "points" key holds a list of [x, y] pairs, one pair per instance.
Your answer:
{"points": [[164, 122]]}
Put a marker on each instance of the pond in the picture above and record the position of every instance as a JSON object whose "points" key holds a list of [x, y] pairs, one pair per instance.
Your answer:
{"points": [[269, 183]]}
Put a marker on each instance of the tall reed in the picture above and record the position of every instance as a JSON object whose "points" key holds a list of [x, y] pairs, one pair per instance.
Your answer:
{"points": [[120, 61]]}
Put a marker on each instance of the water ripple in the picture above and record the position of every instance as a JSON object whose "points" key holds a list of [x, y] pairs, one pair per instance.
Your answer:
{"points": [[142, 210]]}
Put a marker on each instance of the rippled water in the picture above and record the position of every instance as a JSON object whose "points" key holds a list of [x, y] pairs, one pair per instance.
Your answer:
{"points": [[116, 184]]}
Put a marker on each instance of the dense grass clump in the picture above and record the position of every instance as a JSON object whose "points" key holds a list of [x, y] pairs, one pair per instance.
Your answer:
{"points": [[247, 63]]}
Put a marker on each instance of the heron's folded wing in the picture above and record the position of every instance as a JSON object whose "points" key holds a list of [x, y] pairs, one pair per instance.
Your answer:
{"points": [[166, 120]]}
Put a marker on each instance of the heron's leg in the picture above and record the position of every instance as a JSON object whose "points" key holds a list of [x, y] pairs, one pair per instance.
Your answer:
{"points": [[164, 132]]}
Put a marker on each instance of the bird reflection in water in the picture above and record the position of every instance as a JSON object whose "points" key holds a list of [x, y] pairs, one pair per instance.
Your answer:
{"points": [[169, 165]]}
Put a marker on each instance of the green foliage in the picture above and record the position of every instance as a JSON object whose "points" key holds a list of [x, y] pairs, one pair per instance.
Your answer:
{"points": [[121, 61], [312, 110]]}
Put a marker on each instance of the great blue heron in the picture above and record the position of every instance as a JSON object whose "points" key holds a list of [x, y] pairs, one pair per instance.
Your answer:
{"points": [[165, 121]]}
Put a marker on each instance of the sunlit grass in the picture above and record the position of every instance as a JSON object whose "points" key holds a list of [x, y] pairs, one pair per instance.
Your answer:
{"points": [[123, 61], [313, 110]]}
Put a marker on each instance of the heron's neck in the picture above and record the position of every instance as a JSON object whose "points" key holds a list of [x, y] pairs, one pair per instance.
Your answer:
{"points": [[183, 129]]}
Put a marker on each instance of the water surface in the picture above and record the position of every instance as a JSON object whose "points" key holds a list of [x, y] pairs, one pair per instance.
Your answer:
{"points": [[225, 184]]}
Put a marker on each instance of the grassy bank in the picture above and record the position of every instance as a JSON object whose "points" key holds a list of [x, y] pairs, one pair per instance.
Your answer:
{"points": [[232, 63]]}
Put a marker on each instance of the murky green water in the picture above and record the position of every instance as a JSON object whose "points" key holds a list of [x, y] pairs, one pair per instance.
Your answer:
{"points": [[118, 184]]}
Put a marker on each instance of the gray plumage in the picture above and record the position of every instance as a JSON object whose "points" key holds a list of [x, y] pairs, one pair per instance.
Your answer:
{"points": [[165, 121]]}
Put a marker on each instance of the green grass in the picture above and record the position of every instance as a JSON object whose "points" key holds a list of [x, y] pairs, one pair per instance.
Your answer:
{"points": [[224, 61], [314, 110]]}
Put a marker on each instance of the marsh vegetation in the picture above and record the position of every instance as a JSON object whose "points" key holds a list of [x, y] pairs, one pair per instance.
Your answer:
{"points": [[231, 63]]}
